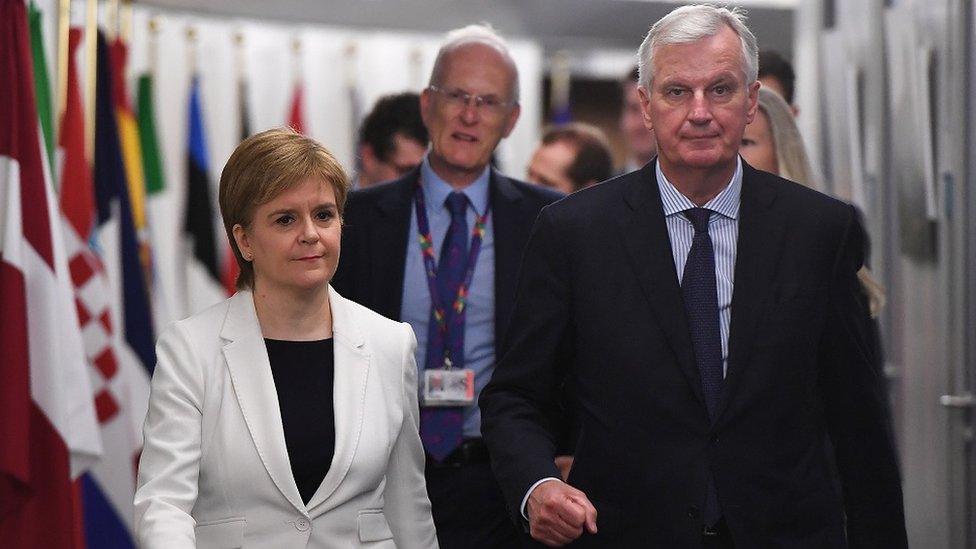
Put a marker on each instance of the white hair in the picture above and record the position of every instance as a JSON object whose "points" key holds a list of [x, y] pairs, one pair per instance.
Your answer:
{"points": [[691, 24], [474, 34]]}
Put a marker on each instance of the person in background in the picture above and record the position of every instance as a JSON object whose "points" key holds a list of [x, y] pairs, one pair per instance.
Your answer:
{"points": [[711, 320], [641, 145], [776, 73], [392, 139], [773, 143], [571, 157], [440, 248], [287, 415]]}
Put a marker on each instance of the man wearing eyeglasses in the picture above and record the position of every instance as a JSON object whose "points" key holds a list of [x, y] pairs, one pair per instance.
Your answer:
{"points": [[439, 248]]}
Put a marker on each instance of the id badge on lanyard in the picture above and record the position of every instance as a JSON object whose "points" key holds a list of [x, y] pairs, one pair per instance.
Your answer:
{"points": [[447, 386]]}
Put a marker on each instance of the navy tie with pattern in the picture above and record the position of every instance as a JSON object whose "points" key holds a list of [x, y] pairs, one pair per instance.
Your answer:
{"points": [[699, 290], [441, 427]]}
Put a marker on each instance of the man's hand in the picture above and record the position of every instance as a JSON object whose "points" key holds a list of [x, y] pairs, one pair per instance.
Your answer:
{"points": [[558, 513], [564, 464]]}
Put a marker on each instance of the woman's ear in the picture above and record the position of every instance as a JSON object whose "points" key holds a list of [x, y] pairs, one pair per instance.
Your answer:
{"points": [[240, 236]]}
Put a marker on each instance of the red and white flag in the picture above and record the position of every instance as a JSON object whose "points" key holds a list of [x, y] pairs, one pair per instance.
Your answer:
{"points": [[48, 431], [120, 385]]}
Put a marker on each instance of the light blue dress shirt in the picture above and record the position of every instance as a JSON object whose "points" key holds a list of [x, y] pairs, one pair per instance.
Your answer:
{"points": [[479, 329], [724, 230]]}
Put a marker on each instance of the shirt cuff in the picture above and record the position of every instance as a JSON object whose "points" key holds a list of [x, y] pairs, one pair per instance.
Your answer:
{"points": [[525, 500]]}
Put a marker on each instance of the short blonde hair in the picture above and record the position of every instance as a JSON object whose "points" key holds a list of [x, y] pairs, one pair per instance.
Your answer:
{"points": [[261, 168]]}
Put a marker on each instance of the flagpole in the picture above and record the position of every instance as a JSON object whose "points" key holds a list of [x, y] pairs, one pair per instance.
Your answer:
{"points": [[64, 25], [239, 53], [125, 21], [91, 64], [296, 60], [153, 36], [191, 38], [112, 19], [559, 91]]}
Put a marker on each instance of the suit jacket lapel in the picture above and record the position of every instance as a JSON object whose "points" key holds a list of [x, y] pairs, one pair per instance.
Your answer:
{"points": [[388, 241], [761, 231], [250, 372], [510, 228], [352, 364], [645, 236]]}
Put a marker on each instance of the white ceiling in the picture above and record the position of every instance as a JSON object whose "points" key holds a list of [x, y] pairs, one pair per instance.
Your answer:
{"points": [[575, 25]]}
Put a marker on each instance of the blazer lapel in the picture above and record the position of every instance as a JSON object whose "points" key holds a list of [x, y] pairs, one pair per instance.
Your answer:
{"points": [[250, 372], [761, 231], [510, 228], [645, 236], [352, 363], [389, 235]]}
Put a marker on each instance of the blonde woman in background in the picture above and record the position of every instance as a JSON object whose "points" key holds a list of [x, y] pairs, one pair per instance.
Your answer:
{"points": [[772, 143], [287, 415]]}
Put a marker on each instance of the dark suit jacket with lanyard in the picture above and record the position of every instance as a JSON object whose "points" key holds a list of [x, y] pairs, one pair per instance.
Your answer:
{"points": [[598, 302], [377, 229]]}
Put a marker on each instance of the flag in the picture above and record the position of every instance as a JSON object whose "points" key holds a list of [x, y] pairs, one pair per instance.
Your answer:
{"points": [[152, 171], [118, 385], [296, 113], [42, 84], [107, 491], [199, 220], [152, 165], [230, 268], [245, 112], [132, 157], [114, 207], [48, 434]]}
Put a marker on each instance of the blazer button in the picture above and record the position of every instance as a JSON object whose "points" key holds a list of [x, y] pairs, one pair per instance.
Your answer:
{"points": [[302, 524], [694, 513]]}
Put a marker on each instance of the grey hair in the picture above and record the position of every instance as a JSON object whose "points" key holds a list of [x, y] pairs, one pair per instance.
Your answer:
{"points": [[474, 34], [691, 24], [794, 164]]}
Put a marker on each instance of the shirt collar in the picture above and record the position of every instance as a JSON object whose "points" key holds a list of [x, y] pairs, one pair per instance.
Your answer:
{"points": [[725, 203], [436, 189]]}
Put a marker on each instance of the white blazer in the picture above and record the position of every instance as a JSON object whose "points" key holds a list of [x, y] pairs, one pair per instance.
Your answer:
{"points": [[214, 470]]}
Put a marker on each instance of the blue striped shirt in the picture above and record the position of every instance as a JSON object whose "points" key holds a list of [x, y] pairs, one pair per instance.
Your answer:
{"points": [[724, 230]]}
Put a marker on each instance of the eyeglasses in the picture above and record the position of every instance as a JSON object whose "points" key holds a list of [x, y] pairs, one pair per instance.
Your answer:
{"points": [[461, 99]]}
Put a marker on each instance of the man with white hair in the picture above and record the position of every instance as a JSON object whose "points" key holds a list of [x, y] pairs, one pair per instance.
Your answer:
{"points": [[710, 319], [439, 248]]}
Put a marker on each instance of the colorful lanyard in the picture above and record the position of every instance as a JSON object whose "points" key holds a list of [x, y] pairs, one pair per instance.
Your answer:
{"points": [[430, 264]]}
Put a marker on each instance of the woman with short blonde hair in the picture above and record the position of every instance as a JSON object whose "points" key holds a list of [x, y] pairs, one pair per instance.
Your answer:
{"points": [[285, 416]]}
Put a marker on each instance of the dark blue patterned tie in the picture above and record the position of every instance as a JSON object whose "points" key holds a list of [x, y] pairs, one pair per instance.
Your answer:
{"points": [[698, 288], [441, 427]]}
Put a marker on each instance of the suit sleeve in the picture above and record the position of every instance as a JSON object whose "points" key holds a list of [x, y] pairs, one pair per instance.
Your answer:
{"points": [[407, 506], [521, 403], [855, 402], [170, 463]]}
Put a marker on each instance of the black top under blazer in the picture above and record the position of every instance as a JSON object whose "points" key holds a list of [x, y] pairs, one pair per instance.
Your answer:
{"points": [[598, 303]]}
